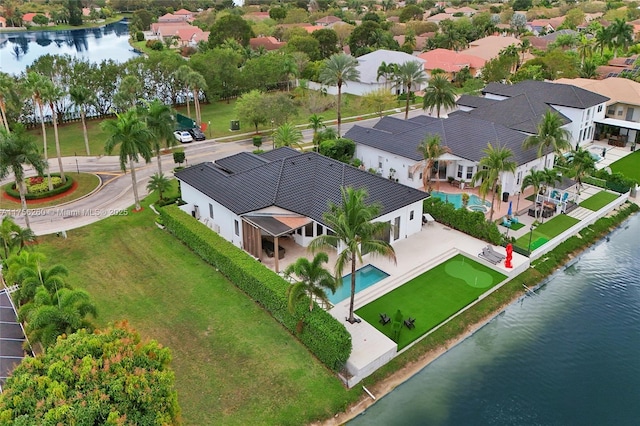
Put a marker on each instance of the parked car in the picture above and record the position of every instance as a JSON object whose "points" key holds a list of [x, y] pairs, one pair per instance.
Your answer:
{"points": [[197, 134], [183, 136]]}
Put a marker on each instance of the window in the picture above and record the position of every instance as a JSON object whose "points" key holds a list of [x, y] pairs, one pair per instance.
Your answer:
{"points": [[460, 168], [420, 176], [519, 178], [620, 112], [580, 138], [396, 228], [411, 215], [469, 172], [236, 227], [379, 162], [211, 210], [588, 113], [318, 229], [599, 108], [410, 174], [308, 230], [611, 111]]}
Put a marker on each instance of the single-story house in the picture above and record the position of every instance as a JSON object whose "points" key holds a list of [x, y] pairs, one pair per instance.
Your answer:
{"points": [[328, 21], [490, 47], [543, 42], [268, 43], [253, 200], [170, 17], [451, 62], [617, 66]]}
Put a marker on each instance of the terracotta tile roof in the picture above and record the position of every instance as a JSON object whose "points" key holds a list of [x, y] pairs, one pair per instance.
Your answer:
{"points": [[489, 47], [449, 60], [327, 20], [269, 43], [616, 88]]}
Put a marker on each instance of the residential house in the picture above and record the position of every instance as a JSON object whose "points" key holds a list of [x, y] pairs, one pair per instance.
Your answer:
{"points": [[622, 113], [543, 42], [268, 43], [253, 200], [257, 16], [451, 62], [3, 22], [489, 47], [162, 30], [436, 19], [187, 14], [421, 40], [616, 66], [172, 18], [190, 35], [328, 21], [544, 26]]}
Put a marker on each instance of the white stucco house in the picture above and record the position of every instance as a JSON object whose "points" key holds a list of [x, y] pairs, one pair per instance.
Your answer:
{"points": [[253, 200]]}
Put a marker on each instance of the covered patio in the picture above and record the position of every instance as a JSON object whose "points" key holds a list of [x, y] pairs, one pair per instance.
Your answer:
{"points": [[620, 133]]}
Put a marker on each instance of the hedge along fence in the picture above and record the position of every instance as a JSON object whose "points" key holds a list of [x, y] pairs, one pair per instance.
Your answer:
{"points": [[11, 189], [469, 222], [322, 334]]}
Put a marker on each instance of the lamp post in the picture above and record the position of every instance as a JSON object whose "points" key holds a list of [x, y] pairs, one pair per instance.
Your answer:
{"points": [[518, 204], [273, 140], [530, 236]]}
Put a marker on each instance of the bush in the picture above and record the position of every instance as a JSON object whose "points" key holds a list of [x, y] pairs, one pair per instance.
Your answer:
{"points": [[155, 44], [257, 141], [178, 156], [12, 191], [338, 149], [139, 36], [403, 97], [322, 334], [472, 223]]}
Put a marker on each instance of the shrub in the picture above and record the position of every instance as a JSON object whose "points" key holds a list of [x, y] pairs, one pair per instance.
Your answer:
{"points": [[155, 44], [338, 149], [322, 334], [257, 141], [12, 191], [139, 36], [472, 223], [178, 157]]}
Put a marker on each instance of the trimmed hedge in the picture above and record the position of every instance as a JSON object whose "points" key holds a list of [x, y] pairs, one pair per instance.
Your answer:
{"points": [[322, 334], [11, 189], [471, 223]]}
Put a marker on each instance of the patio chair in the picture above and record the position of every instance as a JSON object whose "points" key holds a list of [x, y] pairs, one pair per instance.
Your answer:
{"points": [[484, 254], [410, 323], [506, 222], [514, 220], [384, 319], [495, 253]]}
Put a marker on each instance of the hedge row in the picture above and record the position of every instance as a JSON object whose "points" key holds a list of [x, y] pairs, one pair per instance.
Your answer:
{"points": [[10, 189], [322, 334], [471, 223]]}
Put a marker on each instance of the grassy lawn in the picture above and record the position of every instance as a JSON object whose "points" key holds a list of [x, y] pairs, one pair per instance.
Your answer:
{"points": [[629, 166], [432, 297], [598, 201], [234, 363], [86, 182], [546, 231]]}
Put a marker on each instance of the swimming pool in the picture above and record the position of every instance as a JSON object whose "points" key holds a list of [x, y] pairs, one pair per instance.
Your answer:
{"points": [[456, 200], [366, 276]]}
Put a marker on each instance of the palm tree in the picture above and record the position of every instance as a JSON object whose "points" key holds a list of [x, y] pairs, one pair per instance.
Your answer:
{"points": [[535, 179], [134, 139], [336, 71], [439, 93], [81, 96], [128, 93], [182, 75], [159, 182], [354, 233], [386, 71], [495, 162], [551, 136], [603, 38], [17, 149], [313, 278], [196, 82], [621, 35], [51, 316], [34, 276], [409, 74], [8, 230], [52, 95], [582, 164], [289, 69], [7, 84], [287, 135], [316, 123], [37, 86], [550, 178], [431, 150], [588, 70], [160, 122], [585, 48]]}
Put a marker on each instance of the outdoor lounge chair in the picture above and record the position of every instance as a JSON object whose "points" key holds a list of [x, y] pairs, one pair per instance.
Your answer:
{"points": [[506, 222], [495, 253], [484, 254], [384, 319], [409, 322]]}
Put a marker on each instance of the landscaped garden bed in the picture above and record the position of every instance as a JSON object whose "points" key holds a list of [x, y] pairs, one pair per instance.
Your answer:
{"points": [[38, 187]]}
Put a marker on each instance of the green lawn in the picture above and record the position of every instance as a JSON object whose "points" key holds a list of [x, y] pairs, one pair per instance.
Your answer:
{"points": [[546, 231], [234, 363], [629, 166], [432, 297], [598, 201]]}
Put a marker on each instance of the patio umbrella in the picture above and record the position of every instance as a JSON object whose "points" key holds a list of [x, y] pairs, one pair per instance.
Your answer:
{"points": [[509, 211]]}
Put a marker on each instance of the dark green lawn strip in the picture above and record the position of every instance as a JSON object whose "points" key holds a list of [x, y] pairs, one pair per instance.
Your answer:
{"points": [[429, 298], [628, 165], [547, 230], [598, 201]]}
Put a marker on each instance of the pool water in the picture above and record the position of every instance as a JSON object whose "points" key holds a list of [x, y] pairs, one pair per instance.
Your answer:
{"points": [[456, 199], [366, 276]]}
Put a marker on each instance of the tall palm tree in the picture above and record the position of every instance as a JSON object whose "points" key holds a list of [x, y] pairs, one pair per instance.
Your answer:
{"points": [[32, 277], [196, 82], [431, 150], [316, 123], [51, 316], [354, 234], [160, 122], [535, 179], [407, 75], [287, 135], [7, 84], [134, 138], [129, 91], [621, 35], [603, 38], [81, 96], [52, 95], [181, 75], [551, 136], [585, 48], [313, 278], [439, 93], [159, 182], [336, 71], [17, 149], [386, 71], [496, 161], [36, 85], [582, 165]]}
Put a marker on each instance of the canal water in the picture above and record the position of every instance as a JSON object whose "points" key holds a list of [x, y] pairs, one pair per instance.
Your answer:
{"points": [[568, 354], [20, 49]]}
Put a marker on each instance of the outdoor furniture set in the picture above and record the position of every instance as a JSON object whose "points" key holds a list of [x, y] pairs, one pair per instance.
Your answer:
{"points": [[409, 322], [269, 248]]}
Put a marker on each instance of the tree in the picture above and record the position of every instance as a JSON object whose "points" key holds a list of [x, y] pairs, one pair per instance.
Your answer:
{"points": [[160, 122], [129, 91], [328, 42], [134, 138], [498, 69], [196, 82], [354, 233], [585, 48], [407, 75], [7, 84], [33, 276], [51, 95], [495, 162], [582, 164], [16, 149], [230, 26], [37, 86], [603, 38], [81, 96], [287, 135], [75, 12], [439, 93], [535, 179], [277, 13], [551, 136], [431, 151], [159, 182], [182, 75], [12, 236], [316, 123], [124, 381], [339, 149], [410, 12], [313, 280], [621, 35], [386, 71], [336, 71], [248, 107], [379, 100], [40, 20]]}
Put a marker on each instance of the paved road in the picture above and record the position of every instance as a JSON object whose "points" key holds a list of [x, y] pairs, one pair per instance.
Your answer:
{"points": [[115, 195]]}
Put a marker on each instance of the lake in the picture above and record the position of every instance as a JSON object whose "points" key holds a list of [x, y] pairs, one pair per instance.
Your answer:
{"points": [[565, 355], [20, 49]]}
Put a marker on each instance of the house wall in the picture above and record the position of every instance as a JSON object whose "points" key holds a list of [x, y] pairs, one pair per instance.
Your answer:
{"points": [[370, 157], [619, 111], [410, 221], [582, 125]]}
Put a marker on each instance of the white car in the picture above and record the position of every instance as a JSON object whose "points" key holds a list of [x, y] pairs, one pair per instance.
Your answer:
{"points": [[183, 136]]}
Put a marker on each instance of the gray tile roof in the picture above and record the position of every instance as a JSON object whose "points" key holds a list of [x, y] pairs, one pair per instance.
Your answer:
{"points": [[474, 101], [466, 137], [240, 162], [278, 154], [549, 93], [302, 183]]}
